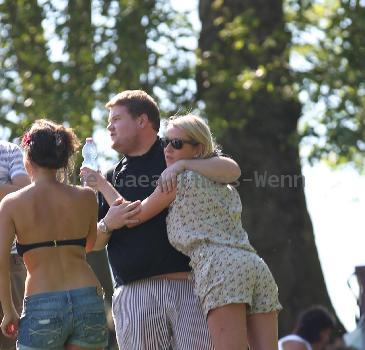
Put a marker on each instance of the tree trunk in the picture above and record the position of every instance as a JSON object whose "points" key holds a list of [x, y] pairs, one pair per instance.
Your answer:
{"points": [[244, 80]]}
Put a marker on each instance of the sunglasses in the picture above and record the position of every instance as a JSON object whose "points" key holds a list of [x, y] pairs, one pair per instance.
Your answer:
{"points": [[176, 143]]}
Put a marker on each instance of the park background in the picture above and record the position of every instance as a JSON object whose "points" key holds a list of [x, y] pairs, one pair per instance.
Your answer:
{"points": [[281, 83]]}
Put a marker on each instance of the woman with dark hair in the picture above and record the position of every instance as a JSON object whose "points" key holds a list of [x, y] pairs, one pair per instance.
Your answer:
{"points": [[55, 225], [312, 331]]}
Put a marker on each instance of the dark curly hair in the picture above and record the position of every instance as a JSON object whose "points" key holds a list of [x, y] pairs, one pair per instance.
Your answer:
{"points": [[50, 145], [313, 321]]}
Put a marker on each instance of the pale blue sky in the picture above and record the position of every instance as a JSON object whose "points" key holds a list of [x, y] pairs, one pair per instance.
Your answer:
{"points": [[336, 202]]}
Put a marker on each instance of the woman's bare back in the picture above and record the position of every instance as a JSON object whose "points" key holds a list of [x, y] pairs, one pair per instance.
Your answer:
{"points": [[54, 211]]}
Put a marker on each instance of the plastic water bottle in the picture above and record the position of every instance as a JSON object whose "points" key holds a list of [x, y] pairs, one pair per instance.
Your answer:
{"points": [[90, 154]]}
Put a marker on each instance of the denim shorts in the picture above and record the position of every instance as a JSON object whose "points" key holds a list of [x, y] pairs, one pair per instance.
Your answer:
{"points": [[55, 319]]}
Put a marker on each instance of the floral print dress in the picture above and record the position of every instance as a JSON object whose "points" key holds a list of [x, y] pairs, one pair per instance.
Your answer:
{"points": [[204, 222]]}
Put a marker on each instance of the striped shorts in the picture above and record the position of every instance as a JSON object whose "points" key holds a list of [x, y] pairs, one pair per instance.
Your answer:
{"points": [[159, 314]]}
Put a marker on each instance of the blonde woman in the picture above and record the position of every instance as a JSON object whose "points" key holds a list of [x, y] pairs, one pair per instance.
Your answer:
{"points": [[54, 225], [236, 288]]}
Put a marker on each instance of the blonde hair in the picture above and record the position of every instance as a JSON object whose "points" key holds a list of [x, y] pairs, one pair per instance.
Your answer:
{"points": [[197, 130]]}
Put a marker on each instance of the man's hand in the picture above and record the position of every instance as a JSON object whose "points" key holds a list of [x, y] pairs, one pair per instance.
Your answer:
{"points": [[168, 179], [121, 212], [92, 178]]}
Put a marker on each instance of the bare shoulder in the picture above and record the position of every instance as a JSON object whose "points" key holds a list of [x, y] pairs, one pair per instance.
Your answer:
{"points": [[14, 198], [6, 202], [9, 206], [83, 190], [86, 193], [293, 345]]}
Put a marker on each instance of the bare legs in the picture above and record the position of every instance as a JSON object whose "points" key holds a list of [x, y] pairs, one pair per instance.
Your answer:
{"points": [[230, 328], [262, 331], [227, 326]]}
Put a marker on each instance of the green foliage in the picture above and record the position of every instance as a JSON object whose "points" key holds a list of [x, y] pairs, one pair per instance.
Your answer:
{"points": [[245, 70], [333, 78], [64, 59], [25, 77], [243, 66]]}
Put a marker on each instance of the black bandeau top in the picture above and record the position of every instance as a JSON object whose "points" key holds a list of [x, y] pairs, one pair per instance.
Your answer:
{"points": [[23, 248]]}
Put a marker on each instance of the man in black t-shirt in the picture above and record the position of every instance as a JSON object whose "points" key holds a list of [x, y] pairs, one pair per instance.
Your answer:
{"points": [[154, 306]]}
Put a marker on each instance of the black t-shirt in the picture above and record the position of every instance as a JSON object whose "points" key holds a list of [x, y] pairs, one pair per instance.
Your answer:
{"points": [[142, 251]]}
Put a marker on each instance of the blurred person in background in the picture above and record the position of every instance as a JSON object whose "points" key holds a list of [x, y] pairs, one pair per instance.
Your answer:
{"points": [[312, 331]]}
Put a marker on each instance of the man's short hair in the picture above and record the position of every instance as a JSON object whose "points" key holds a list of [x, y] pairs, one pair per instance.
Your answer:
{"points": [[313, 321], [138, 102]]}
